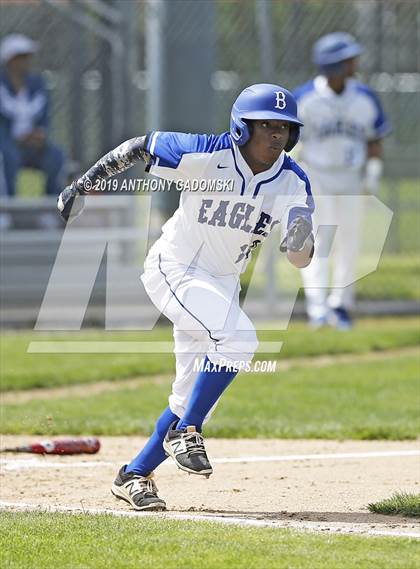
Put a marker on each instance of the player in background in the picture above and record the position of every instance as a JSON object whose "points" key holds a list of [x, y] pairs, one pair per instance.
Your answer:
{"points": [[192, 272], [341, 151]]}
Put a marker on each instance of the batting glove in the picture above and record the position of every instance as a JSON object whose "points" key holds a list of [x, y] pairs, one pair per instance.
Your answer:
{"points": [[297, 234], [373, 173], [70, 203]]}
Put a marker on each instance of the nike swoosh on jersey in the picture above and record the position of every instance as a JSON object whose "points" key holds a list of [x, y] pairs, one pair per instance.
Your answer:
{"points": [[222, 167]]}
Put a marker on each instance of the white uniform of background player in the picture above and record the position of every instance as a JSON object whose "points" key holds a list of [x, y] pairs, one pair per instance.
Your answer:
{"points": [[341, 153]]}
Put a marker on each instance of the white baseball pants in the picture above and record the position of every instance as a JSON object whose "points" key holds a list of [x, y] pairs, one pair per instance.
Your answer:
{"points": [[206, 316], [337, 227]]}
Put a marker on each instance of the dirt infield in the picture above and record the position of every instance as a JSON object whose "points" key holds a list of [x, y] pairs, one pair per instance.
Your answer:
{"points": [[279, 481]]}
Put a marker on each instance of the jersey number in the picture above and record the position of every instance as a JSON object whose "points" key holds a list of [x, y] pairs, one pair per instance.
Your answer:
{"points": [[350, 156], [246, 250]]}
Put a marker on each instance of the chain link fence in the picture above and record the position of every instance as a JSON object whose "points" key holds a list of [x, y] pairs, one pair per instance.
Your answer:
{"points": [[83, 57], [94, 56]]}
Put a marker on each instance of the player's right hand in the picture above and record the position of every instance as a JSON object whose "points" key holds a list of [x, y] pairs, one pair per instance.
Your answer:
{"points": [[70, 203]]}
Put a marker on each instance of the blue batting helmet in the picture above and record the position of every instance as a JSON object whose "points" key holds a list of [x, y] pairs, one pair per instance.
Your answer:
{"points": [[329, 52], [264, 101]]}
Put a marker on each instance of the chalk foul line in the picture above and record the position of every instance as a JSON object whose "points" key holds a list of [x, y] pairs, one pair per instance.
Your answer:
{"points": [[44, 462]]}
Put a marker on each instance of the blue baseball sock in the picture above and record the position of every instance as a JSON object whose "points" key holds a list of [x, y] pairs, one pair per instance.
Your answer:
{"points": [[153, 454], [208, 387]]}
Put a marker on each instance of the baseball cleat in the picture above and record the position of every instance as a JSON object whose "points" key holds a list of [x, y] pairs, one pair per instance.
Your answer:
{"points": [[186, 447], [340, 319], [139, 491]]}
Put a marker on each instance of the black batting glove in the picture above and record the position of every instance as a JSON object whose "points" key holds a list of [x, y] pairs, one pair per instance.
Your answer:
{"points": [[297, 234], [70, 203]]}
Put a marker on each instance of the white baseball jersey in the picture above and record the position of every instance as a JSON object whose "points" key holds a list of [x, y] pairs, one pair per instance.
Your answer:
{"points": [[334, 150], [338, 126], [219, 229]]}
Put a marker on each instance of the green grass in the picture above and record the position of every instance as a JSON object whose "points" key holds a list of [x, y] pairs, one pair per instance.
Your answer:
{"points": [[369, 400], [399, 504], [397, 277], [44, 541], [403, 197], [20, 370]]}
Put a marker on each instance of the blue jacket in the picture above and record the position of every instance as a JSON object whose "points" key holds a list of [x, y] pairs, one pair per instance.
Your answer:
{"points": [[36, 105]]}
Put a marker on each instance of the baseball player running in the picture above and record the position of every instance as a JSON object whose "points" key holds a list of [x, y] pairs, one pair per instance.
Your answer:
{"points": [[192, 272], [341, 149]]}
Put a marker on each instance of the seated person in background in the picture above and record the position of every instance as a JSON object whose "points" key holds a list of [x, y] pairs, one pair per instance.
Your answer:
{"points": [[24, 141]]}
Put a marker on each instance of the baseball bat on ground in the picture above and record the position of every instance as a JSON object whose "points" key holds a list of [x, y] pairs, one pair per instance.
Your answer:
{"points": [[88, 445]]}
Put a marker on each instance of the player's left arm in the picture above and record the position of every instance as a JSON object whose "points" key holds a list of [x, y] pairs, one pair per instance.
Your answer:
{"points": [[374, 166], [299, 242], [378, 129]]}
